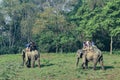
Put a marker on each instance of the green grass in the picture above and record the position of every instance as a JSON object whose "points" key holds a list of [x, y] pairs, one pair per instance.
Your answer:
{"points": [[58, 67]]}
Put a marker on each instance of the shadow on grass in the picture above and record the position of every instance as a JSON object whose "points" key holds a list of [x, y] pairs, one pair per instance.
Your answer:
{"points": [[99, 67], [44, 65], [108, 67]]}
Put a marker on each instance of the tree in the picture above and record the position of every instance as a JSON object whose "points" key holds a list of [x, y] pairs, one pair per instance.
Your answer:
{"points": [[53, 28], [17, 15], [104, 20], [112, 11]]}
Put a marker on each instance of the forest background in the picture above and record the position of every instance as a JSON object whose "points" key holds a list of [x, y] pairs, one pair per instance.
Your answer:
{"points": [[59, 25]]}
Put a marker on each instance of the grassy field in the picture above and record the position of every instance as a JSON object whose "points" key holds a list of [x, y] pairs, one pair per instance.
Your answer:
{"points": [[58, 67]]}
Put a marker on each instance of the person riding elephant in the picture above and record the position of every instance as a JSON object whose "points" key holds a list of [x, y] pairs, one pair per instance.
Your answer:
{"points": [[33, 46], [29, 58], [28, 46], [30, 54], [92, 55]]}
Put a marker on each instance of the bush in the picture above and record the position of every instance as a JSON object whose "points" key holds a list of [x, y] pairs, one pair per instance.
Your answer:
{"points": [[7, 50]]}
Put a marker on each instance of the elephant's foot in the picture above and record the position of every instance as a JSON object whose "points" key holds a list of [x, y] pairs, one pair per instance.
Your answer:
{"points": [[32, 66], [83, 67], [39, 63], [86, 67], [103, 68], [28, 66], [39, 66]]}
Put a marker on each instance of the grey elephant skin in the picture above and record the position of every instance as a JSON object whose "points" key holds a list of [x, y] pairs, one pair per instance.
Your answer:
{"points": [[29, 58], [94, 55]]}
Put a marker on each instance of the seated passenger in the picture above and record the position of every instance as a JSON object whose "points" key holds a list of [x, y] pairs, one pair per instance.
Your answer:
{"points": [[33, 46], [28, 47]]}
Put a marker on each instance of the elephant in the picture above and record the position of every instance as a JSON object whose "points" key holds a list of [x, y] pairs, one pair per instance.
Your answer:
{"points": [[29, 58], [94, 55]]}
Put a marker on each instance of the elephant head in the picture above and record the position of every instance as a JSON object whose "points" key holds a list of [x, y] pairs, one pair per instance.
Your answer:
{"points": [[80, 53]]}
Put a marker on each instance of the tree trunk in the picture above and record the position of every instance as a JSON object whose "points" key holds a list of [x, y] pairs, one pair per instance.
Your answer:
{"points": [[61, 49], [56, 48], [111, 45]]}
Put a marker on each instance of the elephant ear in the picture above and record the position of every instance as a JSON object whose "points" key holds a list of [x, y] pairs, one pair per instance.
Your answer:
{"points": [[81, 55]]}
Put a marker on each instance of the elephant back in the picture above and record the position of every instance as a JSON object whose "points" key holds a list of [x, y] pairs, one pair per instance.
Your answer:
{"points": [[94, 53], [35, 53], [96, 50]]}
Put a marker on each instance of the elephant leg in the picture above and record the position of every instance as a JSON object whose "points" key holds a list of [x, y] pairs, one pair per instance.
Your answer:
{"points": [[77, 61], [29, 63], [32, 61], [102, 66], [32, 64], [23, 60], [26, 59], [101, 62], [83, 65], [38, 62], [95, 63], [86, 64]]}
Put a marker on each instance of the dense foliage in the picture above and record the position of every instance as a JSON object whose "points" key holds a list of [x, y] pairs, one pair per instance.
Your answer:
{"points": [[59, 25]]}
